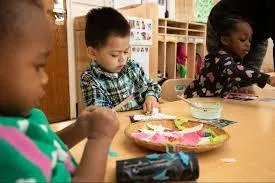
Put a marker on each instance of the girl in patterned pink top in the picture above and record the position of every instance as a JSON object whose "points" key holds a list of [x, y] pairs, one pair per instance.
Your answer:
{"points": [[222, 71]]}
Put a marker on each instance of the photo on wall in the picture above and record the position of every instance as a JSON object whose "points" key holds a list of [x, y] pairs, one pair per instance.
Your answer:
{"points": [[141, 31], [140, 54]]}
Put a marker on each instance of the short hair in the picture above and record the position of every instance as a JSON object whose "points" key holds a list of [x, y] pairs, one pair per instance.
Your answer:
{"points": [[101, 23], [10, 13], [228, 24]]}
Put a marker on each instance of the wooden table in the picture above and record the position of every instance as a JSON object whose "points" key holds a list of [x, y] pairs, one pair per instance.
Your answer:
{"points": [[252, 142]]}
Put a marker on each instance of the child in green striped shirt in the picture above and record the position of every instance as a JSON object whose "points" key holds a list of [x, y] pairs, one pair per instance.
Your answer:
{"points": [[29, 150]]}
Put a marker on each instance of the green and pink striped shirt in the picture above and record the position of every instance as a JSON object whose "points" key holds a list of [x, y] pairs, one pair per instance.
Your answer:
{"points": [[31, 152]]}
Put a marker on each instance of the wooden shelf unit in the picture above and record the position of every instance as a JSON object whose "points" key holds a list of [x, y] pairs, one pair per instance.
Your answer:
{"points": [[172, 32]]}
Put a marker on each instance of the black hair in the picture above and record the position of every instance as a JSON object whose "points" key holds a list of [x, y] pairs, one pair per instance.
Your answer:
{"points": [[228, 24], [10, 14], [102, 23]]}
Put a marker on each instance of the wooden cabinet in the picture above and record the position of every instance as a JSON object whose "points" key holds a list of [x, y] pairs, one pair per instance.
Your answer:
{"points": [[56, 103], [171, 32]]}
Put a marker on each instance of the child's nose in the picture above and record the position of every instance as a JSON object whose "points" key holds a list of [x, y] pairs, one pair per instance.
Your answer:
{"points": [[122, 57], [45, 78]]}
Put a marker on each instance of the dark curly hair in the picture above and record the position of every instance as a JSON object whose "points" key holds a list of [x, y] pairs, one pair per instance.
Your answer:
{"points": [[102, 23], [228, 25]]}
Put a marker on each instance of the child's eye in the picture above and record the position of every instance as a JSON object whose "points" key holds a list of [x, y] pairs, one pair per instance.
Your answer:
{"points": [[115, 56], [39, 67], [243, 39]]}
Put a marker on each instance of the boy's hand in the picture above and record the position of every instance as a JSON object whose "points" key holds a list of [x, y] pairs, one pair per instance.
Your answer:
{"points": [[271, 81], [98, 122], [149, 104]]}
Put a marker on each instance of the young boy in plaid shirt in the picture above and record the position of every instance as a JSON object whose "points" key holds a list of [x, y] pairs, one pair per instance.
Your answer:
{"points": [[113, 76]]}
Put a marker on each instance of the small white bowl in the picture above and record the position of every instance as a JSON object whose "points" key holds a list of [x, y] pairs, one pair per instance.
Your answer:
{"points": [[207, 110]]}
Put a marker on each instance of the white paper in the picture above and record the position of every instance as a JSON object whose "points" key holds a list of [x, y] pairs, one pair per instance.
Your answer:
{"points": [[141, 40], [191, 130], [140, 54], [159, 116], [229, 160]]}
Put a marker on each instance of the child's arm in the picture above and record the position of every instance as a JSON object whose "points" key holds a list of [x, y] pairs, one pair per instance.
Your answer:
{"points": [[153, 92], [92, 93], [247, 90], [271, 81], [102, 126], [78, 131], [245, 76], [93, 162]]}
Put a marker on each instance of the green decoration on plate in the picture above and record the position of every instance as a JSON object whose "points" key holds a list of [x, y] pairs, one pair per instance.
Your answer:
{"points": [[179, 122], [216, 139]]}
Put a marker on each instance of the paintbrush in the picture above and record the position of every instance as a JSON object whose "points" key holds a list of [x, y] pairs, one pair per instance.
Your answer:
{"points": [[131, 97]]}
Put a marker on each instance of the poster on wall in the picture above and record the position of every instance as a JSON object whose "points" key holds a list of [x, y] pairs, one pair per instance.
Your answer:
{"points": [[140, 54], [141, 31], [203, 8]]}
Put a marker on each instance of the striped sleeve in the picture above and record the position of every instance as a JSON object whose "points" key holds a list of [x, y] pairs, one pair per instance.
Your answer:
{"points": [[20, 159]]}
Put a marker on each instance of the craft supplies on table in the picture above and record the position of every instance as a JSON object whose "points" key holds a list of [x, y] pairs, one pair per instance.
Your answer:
{"points": [[156, 115], [179, 133], [131, 97], [159, 167], [206, 110], [241, 96]]}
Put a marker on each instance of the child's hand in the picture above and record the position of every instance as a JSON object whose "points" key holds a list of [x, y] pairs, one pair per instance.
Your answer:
{"points": [[271, 81], [247, 90], [99, 122], [150, 103]]}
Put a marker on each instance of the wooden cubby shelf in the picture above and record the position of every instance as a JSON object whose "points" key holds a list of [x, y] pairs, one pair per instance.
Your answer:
{"points": [[192, 37]]}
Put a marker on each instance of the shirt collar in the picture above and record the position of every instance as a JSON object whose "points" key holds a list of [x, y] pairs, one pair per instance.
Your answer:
{"points": [[100, 73]]}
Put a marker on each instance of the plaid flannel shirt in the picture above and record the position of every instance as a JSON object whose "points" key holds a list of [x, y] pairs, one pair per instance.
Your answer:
{"points": [[109, 89]]}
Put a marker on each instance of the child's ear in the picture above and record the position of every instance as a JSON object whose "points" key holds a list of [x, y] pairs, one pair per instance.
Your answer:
{"points": [[91, 53], [225, 40]]}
